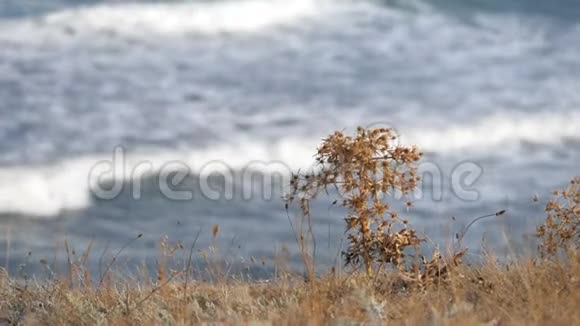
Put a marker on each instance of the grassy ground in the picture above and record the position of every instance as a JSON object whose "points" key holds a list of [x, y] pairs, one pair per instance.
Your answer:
{"points": [[437, 292], [544, 292]]}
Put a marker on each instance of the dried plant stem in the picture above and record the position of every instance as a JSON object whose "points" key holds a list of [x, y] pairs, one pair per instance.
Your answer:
{"points": [[189, 261], [114, 259], [460, 236]]}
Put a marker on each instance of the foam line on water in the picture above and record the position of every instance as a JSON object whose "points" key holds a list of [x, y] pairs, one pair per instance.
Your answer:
{"points": [[497, 131], [46, 191], [164, 19]]}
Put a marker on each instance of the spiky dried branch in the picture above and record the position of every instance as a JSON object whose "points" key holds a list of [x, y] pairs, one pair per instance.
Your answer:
{"points": [[365, 170]]}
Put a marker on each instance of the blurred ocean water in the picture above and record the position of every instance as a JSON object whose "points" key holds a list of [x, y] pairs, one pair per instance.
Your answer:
{"points": [[490, 84]]}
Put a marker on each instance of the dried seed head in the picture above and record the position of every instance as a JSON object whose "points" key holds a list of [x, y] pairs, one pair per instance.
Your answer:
{"points": [[561, 230]]}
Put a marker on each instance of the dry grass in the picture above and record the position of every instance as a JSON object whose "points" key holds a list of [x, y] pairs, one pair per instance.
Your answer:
{"points": [[388, 290], [545, 292]]}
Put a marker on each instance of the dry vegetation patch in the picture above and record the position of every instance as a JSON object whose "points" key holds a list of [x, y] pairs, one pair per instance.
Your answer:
{"points": [[491, 294], [389, 281]]}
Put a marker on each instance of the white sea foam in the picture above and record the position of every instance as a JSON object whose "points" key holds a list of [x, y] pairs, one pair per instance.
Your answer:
{"points": [[47, 191], [44, 192], [497, 131], [165, 19]]}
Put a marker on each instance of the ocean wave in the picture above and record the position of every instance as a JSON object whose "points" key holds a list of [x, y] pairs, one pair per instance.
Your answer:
{"points": [[497, 131], [47, 191], [165, 19], [44, 192]]}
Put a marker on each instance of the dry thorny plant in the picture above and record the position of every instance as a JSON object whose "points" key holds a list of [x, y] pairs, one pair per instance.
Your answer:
{"points": [[364, 170], [561, 231]]}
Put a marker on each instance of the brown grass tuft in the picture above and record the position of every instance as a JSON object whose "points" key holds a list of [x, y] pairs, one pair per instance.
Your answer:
{"points": [[524, 293]]}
